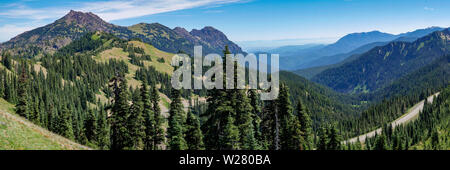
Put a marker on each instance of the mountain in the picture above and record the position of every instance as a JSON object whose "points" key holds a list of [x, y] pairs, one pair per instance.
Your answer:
{"points": [[414, 35], [211, 39], [355, 40], [351, 44], [382, 65], [75, 24], [326, 62], [432, 77], [302, 59], [323, 102], [215, 39], [60, 33]]}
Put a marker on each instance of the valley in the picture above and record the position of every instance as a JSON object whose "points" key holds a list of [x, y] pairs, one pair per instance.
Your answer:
{"points": [[81, 83]]}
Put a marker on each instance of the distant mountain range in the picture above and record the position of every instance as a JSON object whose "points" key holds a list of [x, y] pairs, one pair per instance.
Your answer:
{"points": [[384, 64], [75, 24], [351, 44]]}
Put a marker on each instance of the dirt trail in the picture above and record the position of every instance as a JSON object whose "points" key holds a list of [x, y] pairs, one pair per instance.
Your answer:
{"points": [[412, 113]]}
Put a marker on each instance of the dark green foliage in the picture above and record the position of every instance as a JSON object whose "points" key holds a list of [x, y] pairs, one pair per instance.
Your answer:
{"points": [[103, 141], [158, 135], [148, 115], [193, 134], [175, 130], [65, 124], [22, 107], [91, 127], [427, 132], [161, 60], [153, 77], [6, 60], [305, 124], [120, 135], [382, 65], [136, 122]]}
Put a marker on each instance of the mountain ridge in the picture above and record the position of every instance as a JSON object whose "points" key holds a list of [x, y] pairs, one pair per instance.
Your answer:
{"points": [[382, 65], [73, 25]]}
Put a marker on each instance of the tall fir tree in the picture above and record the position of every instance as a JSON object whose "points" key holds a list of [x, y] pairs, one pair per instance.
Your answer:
{"points": [[285, 118], [245, 121], [159, 133], [136, 122], [334, 142], [305, 124], [175, 130], [91, 127], [120, 135], [103, 141], [323, 139], [148, 115], [22, 107], [193, 134], [255, 104], [65, 124]]}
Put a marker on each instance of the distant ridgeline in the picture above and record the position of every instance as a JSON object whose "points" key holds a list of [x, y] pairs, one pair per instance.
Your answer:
{"points": [[75, 24]]}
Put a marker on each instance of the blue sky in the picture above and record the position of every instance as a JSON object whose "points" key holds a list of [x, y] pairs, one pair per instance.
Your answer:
{"points": [[240, 20]]}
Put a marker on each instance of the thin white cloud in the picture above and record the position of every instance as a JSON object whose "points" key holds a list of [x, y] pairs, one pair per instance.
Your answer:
{"points": [[8, 31], [107, 10], [111, 10]]}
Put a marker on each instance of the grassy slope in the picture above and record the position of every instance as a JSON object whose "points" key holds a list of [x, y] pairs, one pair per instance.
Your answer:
{"points": [[16, 133]]}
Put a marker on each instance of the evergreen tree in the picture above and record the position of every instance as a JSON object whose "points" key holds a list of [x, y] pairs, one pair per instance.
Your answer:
{"points": [[136, 122], [245, 121], [285, 118], [6, 60], [175, 130], [22, 105], [255, 104], [229, 138], [334, 142], [35, 115], [296, 142], [305, 124], [65, 124], [91, 127], [323, 139], [380, 143], [193, 136], [103, 131], [148, 115], [435, 139], [270, 126], [120, 135], [158, 135]]}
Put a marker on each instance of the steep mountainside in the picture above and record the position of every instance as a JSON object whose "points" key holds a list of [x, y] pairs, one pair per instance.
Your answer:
{"points": [[346, 44], [324, 103], [75, 24], [356, 43], [382, 65], [60, 33], [215, 39], [431, 78], [18, 133]]}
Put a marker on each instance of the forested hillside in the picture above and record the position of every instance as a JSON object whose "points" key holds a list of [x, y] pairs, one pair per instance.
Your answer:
{"points": [[428, 132], [383, 65], [74, 25]]}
